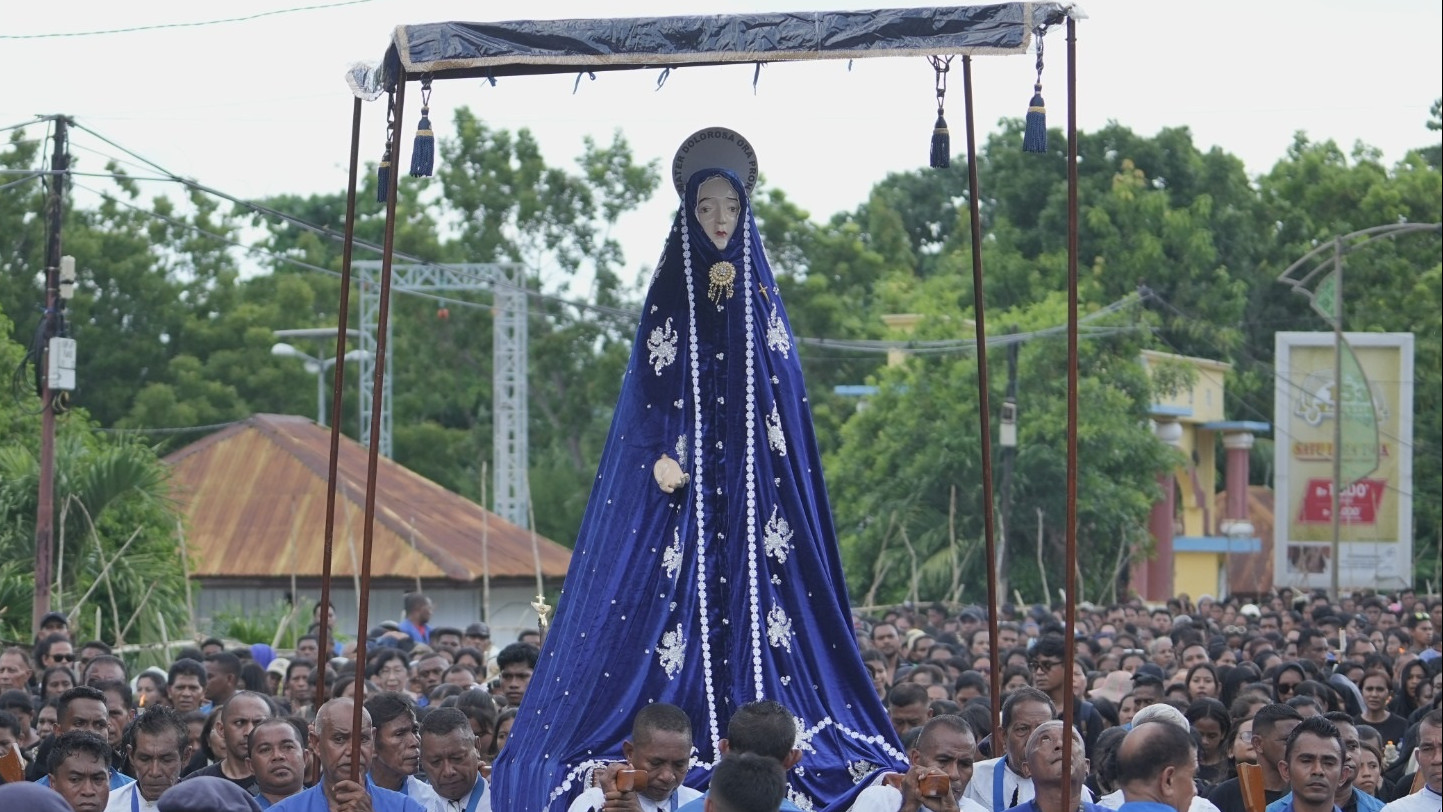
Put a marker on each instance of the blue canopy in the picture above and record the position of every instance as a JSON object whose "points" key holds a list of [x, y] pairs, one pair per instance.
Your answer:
{"points": [[451, 50]]}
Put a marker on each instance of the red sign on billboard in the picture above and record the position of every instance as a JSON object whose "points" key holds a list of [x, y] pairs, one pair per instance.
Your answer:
{"points": [[1358, 503]]}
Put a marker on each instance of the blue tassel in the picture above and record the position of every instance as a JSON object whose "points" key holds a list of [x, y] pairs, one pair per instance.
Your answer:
{"points": [[423, 152], [941, 144], [1034, 139], [383, 176]]}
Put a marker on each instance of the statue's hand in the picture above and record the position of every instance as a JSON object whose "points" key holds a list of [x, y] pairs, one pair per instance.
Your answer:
{"points": [[668, 474]]}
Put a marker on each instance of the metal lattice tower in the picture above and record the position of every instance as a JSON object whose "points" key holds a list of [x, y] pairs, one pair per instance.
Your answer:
{"points": [[508, 360]]}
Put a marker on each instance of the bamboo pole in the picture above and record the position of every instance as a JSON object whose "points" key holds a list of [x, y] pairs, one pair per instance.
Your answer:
{"points": [[120, 639], [104, 570], [185, 569]]}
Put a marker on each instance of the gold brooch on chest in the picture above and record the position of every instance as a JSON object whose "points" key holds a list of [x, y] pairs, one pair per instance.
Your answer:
{"points": [[723, 276]]}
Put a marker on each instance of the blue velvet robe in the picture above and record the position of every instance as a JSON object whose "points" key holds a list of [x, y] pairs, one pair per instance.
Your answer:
{"points": [[727, 591]]}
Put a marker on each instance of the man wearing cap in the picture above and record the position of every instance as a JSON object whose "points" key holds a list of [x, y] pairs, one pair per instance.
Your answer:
{"points": [[54, 623], [31, 798], [207, 795]]}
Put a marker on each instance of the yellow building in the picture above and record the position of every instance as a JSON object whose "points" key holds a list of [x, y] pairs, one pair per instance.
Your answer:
{"points": [[1192, 544]]}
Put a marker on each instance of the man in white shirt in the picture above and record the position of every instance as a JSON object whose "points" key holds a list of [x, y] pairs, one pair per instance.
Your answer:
{"points": [[946, 746], [661, 745], [1002, 783], [1430, 766], [158, 743], [448, 753]]}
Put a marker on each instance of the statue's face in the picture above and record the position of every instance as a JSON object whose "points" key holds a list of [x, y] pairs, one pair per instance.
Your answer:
{"points": [[717, 209]]}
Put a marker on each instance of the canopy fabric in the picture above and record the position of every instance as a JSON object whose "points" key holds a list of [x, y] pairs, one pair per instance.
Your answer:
{"points": [[452, 50]]}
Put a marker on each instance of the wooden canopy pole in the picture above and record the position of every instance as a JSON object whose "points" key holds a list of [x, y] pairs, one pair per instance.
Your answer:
{"points": [[368, 527], [984, 415], [1070, 606], [323, 631]]}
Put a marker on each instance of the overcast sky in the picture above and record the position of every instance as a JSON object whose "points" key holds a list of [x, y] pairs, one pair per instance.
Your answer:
{"points": [[260, 107]]}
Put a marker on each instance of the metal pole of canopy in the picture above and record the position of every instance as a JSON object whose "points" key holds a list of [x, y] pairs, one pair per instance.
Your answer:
{"points": [[1070, 648], [984, 415], [323, 631], [373, 456]]}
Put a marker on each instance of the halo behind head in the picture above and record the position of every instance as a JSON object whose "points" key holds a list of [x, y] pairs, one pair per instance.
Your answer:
{"points": [[713, 148]]}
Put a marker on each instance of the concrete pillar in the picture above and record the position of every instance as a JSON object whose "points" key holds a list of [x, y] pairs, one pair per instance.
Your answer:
{"points": [[1161, 522], [1158, 576], [1235, 522]]}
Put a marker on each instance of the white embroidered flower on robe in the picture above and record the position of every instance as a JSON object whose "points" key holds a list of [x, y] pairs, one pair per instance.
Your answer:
{"points": [[672, 651], [779, 628], [662, 347], [777, 537], [775, 437]]}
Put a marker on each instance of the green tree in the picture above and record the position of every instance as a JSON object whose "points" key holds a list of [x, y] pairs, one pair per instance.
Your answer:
{"points": [[115, 529], [906, 483]]}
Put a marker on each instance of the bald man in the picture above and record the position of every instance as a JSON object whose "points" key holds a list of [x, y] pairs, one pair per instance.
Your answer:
{"points": [[331, 740], [1156, 764]]}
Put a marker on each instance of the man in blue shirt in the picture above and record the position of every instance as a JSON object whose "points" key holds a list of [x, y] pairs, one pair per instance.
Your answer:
{"points": [[418, 613], [81, 709], [1156, 764], [331, 743], [1313, 766], [746, 782], [1052, 789], [764, 728], [79, 764], [1348, 797]]}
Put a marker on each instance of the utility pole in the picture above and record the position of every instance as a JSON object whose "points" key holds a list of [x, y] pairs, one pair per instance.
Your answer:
{"points": [[51, 322]]}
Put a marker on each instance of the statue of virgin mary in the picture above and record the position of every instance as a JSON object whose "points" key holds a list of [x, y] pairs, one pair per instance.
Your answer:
{"points": [[706, 573]]}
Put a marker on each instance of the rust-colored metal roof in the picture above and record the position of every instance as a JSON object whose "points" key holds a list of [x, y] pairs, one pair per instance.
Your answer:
{"points": [[254, 497]]}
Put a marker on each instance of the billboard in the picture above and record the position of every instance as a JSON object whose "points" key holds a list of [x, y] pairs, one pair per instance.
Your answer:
{"points": [[1375, 506]]}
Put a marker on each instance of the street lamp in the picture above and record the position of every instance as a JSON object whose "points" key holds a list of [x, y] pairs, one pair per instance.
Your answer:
{"points": [[318, 367]]}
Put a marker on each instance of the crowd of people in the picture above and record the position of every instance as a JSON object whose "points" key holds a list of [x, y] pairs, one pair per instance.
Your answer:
{"points": [[1336, 705]]}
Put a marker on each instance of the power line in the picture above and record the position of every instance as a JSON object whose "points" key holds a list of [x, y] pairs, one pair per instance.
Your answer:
{"points": [[195, 24], [254, 250]]}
